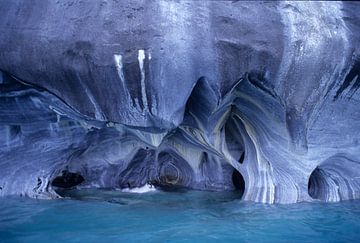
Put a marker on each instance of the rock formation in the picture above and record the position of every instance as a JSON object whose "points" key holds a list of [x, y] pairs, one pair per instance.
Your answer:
{"points": [[208, 95]]}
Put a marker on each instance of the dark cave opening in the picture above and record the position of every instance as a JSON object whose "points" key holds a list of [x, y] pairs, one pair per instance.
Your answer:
{"points": [[241, 160], [313, 181], [238, 181], [67, 180], [318, 186]]}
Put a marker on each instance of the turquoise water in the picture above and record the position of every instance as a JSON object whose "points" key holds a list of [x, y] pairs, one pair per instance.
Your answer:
{"points": [[174, 217]]}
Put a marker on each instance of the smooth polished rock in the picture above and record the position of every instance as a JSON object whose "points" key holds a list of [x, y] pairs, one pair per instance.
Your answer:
{"points": [[260, 97]]}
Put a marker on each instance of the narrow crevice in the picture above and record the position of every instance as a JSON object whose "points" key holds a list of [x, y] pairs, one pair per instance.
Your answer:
{"points": [[241, 160], [234, 141]]}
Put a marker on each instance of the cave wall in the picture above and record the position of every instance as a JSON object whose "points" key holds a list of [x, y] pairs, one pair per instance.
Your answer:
{"points": [[181, 94]]}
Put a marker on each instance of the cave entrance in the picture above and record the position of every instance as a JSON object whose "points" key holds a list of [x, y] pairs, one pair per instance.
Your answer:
{"points": [[67, 180], [174, 173], [238, 182], [335, 179], [317, 184]]}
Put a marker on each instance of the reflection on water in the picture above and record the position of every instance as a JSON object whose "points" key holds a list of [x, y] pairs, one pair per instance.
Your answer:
{"points": [[103, 215]]}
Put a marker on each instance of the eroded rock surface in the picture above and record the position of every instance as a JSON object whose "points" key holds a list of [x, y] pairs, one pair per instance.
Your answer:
{"points": [[208, 95]]}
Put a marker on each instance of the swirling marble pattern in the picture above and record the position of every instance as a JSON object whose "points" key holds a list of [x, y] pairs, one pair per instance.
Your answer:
{"points": [[214, 95]]}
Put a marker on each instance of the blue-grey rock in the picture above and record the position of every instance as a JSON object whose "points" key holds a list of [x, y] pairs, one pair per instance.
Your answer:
{"points": [[260, 97]]}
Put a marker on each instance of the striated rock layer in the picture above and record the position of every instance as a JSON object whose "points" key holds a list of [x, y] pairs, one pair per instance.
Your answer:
{"points": [[209, 95]]}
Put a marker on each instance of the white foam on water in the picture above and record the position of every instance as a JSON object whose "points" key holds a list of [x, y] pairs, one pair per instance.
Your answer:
{"points": [[143, 189]]}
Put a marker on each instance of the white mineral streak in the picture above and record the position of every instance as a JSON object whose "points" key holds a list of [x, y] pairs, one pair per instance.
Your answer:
{"points": [[141, 58], [119, 67], [118, 59]]}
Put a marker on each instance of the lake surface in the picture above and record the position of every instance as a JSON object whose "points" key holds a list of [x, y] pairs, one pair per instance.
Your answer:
{"points": [[192, 216]]}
